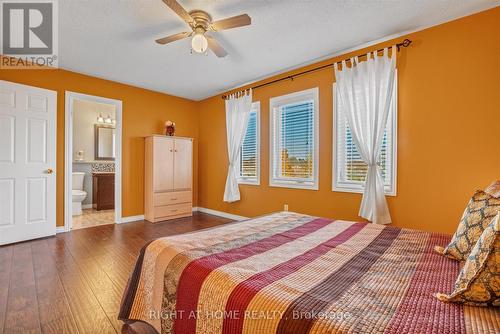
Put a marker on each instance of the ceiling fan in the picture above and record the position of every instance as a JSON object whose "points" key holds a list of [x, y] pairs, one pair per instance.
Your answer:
{"points": [[200, 22]]}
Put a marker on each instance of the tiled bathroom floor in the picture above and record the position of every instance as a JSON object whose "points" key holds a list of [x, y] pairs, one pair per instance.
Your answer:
{"points": [[92, 217]]}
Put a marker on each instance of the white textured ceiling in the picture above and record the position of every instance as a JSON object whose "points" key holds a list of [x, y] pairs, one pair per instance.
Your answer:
{"points": [[114, 39]]}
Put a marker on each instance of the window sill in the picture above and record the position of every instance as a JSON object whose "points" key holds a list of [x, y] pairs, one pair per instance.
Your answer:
{"points": [[294, 185], [359, 190], [249, 182]]}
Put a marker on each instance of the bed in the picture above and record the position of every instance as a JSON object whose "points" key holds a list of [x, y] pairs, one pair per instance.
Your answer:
{"points": [[293, 273]]}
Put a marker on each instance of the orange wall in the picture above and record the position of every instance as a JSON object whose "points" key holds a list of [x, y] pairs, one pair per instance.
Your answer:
{"points": [[448, 124], [144, 113]]}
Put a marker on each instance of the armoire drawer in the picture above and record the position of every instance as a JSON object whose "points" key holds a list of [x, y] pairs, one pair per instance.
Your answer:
{"points": [[172, 210], [175, 197]]}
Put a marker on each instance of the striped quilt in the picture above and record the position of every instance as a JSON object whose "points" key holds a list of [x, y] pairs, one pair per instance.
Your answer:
{"points": [[293, 273]]}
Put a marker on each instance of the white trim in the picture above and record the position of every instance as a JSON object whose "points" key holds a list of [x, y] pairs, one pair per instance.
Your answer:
{"points": [[253, 181], [352, 187], [68, 152], [286, 99], [249, 181], [86, 206], [130, 219], [61, 229], [220, 213]]}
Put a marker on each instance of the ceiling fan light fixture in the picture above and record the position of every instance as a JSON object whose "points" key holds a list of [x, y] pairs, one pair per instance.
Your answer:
{"points": [[200, 22], [199, 43]]}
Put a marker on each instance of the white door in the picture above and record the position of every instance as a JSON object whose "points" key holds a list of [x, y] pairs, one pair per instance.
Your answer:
{"points": [[27, 162]]}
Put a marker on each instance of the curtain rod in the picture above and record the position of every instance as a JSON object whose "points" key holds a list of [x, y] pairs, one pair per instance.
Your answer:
{"points": [[404, 44]]}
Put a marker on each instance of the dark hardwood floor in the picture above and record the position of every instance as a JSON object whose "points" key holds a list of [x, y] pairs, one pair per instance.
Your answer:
{"points": [[73, 282]]}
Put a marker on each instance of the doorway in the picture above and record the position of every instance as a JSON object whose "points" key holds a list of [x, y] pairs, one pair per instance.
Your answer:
{"points": [[93, 140]]}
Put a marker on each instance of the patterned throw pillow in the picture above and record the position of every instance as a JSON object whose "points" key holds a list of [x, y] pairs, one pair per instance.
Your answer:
{"points": [[479, 280], [493, 189], [481, 209]]}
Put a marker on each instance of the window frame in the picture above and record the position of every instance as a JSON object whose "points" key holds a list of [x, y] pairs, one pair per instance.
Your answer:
{"points": [[255, 181], [358, 187], [274, 104]]}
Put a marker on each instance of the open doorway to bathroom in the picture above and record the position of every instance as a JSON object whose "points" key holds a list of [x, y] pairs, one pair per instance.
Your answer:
{"points": [[92, 161]]}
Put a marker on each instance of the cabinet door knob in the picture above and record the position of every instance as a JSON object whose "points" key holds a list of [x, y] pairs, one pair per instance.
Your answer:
{"points": [[170, 150], [49, 171], [175, 150]]}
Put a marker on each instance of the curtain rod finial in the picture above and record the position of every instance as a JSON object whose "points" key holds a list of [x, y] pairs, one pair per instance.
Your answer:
{"points": [[406, 43]]}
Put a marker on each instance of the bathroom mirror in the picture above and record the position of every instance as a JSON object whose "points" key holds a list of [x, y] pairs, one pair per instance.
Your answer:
{"points": [[104, 142]]}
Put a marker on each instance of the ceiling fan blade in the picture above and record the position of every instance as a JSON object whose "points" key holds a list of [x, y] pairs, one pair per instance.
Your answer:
{"points": [[179, 10], [216, 47], [232, 22], [173, 38]]}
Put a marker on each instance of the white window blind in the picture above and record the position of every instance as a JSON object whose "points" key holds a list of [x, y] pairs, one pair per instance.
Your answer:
{"points": [[249, 153], [294, 140], [354, 168], [350, 170]]}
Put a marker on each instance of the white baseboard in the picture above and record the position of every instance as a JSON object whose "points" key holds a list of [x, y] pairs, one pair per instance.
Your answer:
{"points": [[61, 229], [227, 215], [86, 206], [220, 213], [130, 219]]}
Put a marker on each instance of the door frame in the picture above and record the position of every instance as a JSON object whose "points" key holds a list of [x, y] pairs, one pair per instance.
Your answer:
{"points": [[68, 154]]}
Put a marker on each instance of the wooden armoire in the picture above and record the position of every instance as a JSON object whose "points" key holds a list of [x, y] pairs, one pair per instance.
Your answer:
{"points": [[168, 178]]}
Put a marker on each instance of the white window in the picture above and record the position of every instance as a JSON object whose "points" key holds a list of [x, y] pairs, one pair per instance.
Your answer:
{"points": [[349, 170], [249, 163], [294, 140]]}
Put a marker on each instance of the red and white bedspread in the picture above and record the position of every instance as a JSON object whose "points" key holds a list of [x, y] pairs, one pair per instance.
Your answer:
{"points": [[293, 273]]}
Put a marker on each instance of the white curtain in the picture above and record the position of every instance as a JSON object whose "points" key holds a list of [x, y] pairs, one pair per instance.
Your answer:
{"points": [[365, 91], [238, 107]]}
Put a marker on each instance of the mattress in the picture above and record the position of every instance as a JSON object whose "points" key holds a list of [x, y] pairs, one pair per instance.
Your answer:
{"points": [[293, 273]]}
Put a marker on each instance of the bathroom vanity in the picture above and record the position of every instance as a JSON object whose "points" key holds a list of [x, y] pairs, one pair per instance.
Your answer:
{"points": [[103, 176], [103, 190]]}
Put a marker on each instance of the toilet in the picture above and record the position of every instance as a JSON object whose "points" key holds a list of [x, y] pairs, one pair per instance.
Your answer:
{"points": [[77, 193]]}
